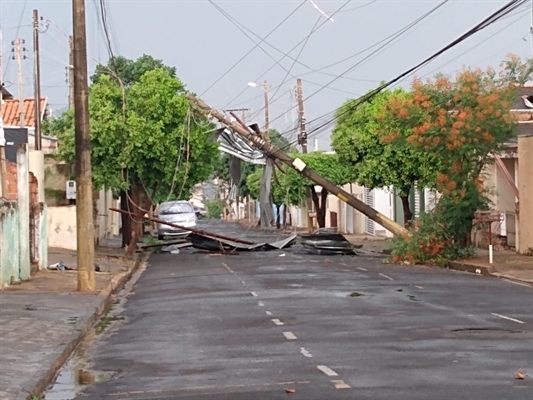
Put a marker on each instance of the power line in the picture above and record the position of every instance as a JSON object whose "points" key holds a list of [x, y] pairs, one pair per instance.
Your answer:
{"points": [[16, 34], [392, 39], [251, 50], [478, 44], [388, 40], [493, 18], [269, 69]]}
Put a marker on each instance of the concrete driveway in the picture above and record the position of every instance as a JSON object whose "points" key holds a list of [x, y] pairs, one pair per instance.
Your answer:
{"points": [[256, 325]]}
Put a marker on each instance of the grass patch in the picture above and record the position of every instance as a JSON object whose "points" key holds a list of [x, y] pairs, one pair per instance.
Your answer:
{"points": [[105, 322], [411, 297], [356, 294]]}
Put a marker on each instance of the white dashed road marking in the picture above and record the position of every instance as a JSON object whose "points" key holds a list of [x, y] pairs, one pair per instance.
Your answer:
{"points": [[243, 282], [268, 313], [328, 371], [419, 287], [261, 304], [508, 318], [340, 385], [254, 294], [385, 276], [289, 335], [362, 269], [228, 268], [306, 353], [277, 322]]}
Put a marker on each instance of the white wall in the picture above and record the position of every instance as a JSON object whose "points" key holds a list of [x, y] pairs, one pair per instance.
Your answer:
{"points": [[62, 222], [62, 227]]}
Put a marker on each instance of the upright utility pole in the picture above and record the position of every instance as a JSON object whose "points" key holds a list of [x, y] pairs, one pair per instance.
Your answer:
{"points": [[19, 57], [84, 187], [302, 140], [3, 172], [531, 29], [267, 113], [37, 80], [71, 73], [265, 186]]}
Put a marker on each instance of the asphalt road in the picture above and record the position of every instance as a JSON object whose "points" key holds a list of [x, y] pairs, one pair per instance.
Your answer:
{"points": [[250, 326]]}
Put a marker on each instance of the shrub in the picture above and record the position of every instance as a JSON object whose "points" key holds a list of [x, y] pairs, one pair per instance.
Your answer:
{"points": [[214, 208]]}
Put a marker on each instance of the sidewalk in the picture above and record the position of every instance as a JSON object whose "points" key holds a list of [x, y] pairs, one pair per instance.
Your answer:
{"points": [[507, 264], [43, 320]]}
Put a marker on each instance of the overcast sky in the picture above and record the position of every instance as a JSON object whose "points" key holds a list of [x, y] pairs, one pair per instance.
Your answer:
{"points": [[203, 45]]}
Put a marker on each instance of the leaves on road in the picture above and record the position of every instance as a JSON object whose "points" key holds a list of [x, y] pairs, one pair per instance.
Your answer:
{"points": [[520, 374]]}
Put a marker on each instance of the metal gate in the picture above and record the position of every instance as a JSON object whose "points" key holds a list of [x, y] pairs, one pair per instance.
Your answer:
{"points": [[370, 226]]}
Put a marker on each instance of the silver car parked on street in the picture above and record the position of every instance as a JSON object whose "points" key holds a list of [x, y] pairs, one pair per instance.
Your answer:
{"points": [[177, 212]]}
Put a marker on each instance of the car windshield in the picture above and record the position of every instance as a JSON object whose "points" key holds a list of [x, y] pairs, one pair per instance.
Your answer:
{"points": [[175, 208]]}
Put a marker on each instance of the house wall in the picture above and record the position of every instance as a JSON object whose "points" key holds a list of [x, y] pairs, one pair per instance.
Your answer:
{"points": [[61, 222], [525, 187], [10, 256], [56, 175]]}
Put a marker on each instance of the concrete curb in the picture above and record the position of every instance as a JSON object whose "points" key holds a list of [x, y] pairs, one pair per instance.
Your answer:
{"points": [[483, 271], [474, 269], [83, 327]]}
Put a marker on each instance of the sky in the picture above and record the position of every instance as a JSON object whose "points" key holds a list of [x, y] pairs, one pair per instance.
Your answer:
{"points": [[204, 44]]}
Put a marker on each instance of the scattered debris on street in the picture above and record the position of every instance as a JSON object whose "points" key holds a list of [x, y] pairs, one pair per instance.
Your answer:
{"points": [[327, 242], [520, 374]]}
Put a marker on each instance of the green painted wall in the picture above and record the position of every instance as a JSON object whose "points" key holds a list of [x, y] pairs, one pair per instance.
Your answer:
{"points": [[9, 243]]}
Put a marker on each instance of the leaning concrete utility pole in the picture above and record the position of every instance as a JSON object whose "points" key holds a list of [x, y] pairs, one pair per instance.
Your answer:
{"points": [[84, 186], [300, 166]]}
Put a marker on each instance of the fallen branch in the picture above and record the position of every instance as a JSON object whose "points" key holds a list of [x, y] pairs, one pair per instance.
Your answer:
{"points": [[197, 231]]}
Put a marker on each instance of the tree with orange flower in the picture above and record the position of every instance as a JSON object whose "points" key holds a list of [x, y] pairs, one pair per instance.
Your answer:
{"points": [[377, 149]]}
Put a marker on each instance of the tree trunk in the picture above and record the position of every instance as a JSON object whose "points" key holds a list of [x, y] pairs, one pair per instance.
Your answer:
{"points": [[284, 217], [320, 206], [142, 203], [407, 214], [126, 220], [278, 218]]}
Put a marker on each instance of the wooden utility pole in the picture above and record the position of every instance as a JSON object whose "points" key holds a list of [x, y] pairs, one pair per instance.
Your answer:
{"points": [[84, 187], [302, 139], [71, 73], [19, 57], [37, 80], [3, 171], [298, 165]]}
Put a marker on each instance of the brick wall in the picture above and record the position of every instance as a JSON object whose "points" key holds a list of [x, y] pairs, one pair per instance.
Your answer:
{"points": [[11, 169]]}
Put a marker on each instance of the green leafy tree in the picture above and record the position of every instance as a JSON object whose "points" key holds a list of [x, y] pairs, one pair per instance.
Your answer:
{"points": [[129, 71], [150, 145], [360, 141]]}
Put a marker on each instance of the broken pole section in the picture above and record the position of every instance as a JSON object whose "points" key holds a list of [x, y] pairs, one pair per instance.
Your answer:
{"points": [[300, 166]]}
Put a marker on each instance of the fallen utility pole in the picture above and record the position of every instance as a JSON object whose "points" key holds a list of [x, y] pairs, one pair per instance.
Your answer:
{"points": [[197, 231], [300, 166]]}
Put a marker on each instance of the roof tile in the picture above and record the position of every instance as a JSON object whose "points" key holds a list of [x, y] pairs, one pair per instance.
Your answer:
{"points": [[10, 111]]}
